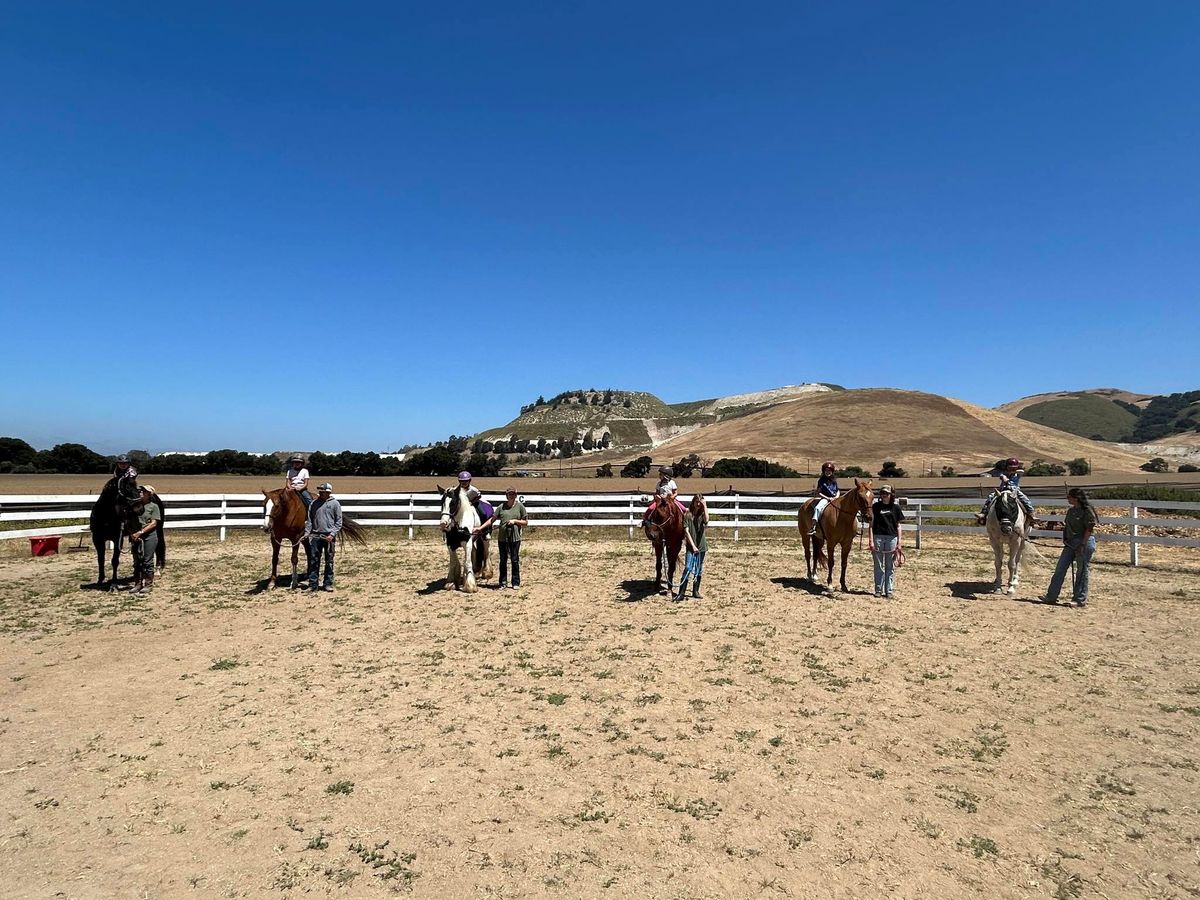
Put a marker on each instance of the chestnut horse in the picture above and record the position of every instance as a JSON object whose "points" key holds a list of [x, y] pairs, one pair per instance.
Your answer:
{"points": [[284, 518], [665, 530], [837, 527]]}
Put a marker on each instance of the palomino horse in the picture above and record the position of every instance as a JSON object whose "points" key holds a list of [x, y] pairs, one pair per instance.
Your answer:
{"points": [[284, 518], [1007, 524], [470, 554], [113, 516], [665, 530], [837, 527]]}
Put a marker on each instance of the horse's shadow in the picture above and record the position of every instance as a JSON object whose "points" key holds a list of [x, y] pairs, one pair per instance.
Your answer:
{"points": [[637, 589], [970, 590], [121, 582], [437, 586], [284, 584], [802, 584]]}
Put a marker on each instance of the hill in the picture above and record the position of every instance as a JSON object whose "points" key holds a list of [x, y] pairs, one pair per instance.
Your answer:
{"points": [[1112, 414], [864, 427], [631, 419]]}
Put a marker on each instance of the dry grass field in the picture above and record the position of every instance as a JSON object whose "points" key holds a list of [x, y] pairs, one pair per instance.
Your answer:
{"points": [[580, 738]]}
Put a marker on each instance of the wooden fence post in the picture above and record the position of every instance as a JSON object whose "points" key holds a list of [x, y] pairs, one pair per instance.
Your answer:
{"points": [[737, 518], [224, 511], [631, 517], [1133, 533], [410, 517], [920, 510]]}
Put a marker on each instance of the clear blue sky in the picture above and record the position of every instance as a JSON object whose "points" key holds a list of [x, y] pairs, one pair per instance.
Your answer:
{"points": [[356, 225]]}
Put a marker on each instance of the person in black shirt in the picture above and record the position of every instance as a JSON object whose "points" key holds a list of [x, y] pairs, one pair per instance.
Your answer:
{"points": [[886, 517]]}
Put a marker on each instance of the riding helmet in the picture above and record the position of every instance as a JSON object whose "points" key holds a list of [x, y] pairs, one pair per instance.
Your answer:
{"points": [[1012, 462], [827, 465]]}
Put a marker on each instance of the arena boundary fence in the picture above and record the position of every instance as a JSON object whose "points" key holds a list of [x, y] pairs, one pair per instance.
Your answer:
{"points": [[412, 511]]}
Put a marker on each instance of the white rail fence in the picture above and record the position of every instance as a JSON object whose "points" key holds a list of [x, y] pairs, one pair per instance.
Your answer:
{"points": [[734, 511]]}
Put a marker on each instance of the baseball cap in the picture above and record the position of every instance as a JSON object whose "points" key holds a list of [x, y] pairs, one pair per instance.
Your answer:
{"points": [[325, 487]]}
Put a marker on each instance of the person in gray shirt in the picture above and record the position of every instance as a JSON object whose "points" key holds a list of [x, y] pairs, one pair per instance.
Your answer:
{"points": [[320, 533]]}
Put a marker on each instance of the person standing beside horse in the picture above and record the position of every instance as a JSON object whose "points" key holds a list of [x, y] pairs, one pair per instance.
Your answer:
{"points": [[510, 517], [321, 529], [1079, 544], [886, 519], [1010, 477], [695, 524], [296, 479], [143, 542]]}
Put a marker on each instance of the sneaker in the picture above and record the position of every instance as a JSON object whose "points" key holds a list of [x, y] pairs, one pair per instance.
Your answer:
{"points": [[502, 585], [1044, 599], [1081, 604], [328, 588]]}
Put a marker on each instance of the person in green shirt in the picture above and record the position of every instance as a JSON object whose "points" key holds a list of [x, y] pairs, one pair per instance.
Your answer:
{"points": [[144, 542], [1079, 543], [695, 524], [508, 518]]}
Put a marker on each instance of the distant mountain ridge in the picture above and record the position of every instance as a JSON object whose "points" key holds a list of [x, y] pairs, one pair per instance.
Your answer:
{"points": [[1112, 414]]}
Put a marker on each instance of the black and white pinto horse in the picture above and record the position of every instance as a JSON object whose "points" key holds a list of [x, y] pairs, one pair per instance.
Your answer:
{"points": [[470, 554], [1008, 525], [113, 517]]}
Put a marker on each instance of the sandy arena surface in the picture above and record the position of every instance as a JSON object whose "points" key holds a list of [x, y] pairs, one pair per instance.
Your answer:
{"points": [[579, 737]]}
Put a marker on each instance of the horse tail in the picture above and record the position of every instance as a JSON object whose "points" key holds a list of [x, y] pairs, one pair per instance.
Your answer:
{"points": [[818, 552], [356, 532]]}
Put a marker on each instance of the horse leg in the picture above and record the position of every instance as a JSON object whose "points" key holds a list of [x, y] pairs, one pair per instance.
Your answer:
{"points": [[998, 552], [116, 562], [469, 586], [274, 564], [658, 565], [1014, 562], [672, 562], [295, 565], [452, 569], [846, 548], [101, 553]]}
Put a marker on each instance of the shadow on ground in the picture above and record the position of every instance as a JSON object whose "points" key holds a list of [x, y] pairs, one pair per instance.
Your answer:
{"points": [[637, 589]]}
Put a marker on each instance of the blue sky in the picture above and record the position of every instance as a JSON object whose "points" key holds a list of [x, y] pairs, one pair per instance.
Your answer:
{"points": [[302, 225]]}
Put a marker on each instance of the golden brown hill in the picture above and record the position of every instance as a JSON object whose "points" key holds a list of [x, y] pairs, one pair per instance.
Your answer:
{"points": [[864, 427]]}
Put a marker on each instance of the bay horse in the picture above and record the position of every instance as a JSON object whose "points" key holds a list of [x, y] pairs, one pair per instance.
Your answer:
{"points": [[665, 530], [1007, 524], [837, 528], [284, 516], [113, 516], [469, 553]]}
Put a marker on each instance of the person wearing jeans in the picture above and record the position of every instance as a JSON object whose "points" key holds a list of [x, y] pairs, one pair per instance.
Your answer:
{"points": [[1079, 544], [508, 518], [695, 524], [320, 532], [886, 518]]}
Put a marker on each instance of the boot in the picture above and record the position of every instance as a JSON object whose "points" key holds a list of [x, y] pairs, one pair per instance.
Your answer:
{"points": [[148, 582], [139, 586], [696, 591], [682, 592]]}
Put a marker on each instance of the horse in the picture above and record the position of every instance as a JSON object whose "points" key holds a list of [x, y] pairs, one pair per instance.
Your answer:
{"points": [[1007, 523], [665, 531], [837, 528], [113, 516], [460, 518], [284, 516]]}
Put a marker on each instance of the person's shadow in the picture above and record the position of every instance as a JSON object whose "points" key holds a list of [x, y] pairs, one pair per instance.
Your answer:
{"points": [[637, 589]]}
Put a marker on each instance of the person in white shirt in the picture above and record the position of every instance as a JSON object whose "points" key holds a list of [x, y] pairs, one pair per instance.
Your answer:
{"points": [[296, 479], [664, 492]]}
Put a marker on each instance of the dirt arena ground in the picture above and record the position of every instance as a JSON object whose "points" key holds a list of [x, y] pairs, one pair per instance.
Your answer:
{"points": [[580, 738]]}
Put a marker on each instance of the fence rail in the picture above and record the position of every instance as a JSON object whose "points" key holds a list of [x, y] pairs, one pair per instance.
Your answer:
{"points": [[411, 511]]}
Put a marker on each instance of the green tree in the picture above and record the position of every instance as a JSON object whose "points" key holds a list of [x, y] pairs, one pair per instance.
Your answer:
{"points": [[891, 470], [434, 461], [15, 452], [72, 459], [1040, 468], [637, 468], [1079, 466], [1188, 467], [687, 466], [852, 472], [604, 471], [749, 467], [1158, 464], [948, 471]]}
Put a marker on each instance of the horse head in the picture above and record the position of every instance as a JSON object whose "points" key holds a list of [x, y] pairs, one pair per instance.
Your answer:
{"points": [[864, 496], [1006, 509]]}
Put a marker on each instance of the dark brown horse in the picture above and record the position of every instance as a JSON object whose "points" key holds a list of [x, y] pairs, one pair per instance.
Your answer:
{"points": [[665, 530], [837, 528], [283, 520]]}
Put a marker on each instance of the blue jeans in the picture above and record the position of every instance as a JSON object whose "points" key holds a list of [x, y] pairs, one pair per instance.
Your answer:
{"points": [[510, 550], [306, 497], [1081, 554], [885, 562], [318, 547], [693, 566]]}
